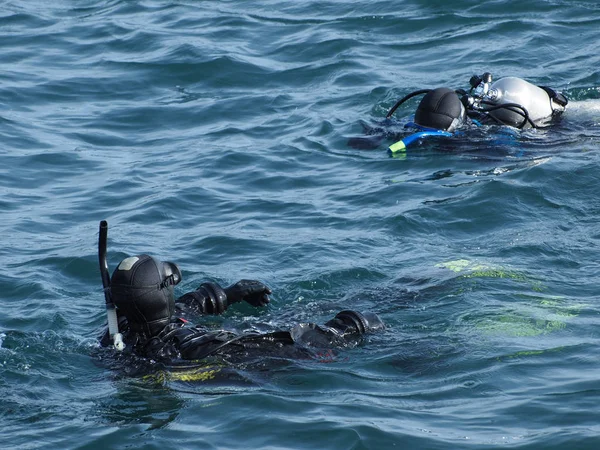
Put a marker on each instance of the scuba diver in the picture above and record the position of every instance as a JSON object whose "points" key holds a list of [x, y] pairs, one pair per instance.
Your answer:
{"points": [[444, 112], [145, 319]]}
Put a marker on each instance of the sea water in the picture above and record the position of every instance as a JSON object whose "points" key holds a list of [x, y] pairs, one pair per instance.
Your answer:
{"points": [[216, 134]]}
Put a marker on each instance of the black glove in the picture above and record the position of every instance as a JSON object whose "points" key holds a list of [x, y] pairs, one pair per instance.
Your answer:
{"points": [[252, 291]]}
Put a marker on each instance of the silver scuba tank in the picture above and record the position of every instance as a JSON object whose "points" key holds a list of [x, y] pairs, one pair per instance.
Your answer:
{"points": [[537, 102]]}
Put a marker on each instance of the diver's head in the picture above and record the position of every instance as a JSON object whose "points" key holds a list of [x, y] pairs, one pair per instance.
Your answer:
{"points": [[142, 290], [440, 109]]}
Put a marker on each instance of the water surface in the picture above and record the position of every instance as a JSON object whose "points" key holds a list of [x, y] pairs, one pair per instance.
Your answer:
{"points": [[215, 134]]}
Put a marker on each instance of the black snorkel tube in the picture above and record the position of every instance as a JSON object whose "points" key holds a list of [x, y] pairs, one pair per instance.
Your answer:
{"points": [[111, 311]]}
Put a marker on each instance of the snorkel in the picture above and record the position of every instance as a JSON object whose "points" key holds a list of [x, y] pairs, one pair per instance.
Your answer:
{"points": [[111, 311], [400, 146]]}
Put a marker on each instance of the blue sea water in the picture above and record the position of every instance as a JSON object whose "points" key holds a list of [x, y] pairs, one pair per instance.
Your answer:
{"points": [[216, 134]]}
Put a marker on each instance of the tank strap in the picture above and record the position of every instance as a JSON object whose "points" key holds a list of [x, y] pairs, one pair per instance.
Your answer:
{"points": [[555, 96]]}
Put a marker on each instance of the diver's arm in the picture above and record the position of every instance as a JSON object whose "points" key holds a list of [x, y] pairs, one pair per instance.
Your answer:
{"points": [[210, 298]]}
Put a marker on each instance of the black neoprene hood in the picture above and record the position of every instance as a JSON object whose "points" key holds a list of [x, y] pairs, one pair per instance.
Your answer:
{"points": [[142, 290], [440, 109]]}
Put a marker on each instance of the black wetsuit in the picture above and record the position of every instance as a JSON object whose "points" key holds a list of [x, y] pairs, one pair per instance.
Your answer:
{"points": [[179, 342]]}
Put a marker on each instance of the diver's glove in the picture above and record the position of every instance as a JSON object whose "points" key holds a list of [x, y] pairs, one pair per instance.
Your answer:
{"points": [[210, 298], [251, 291]]}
